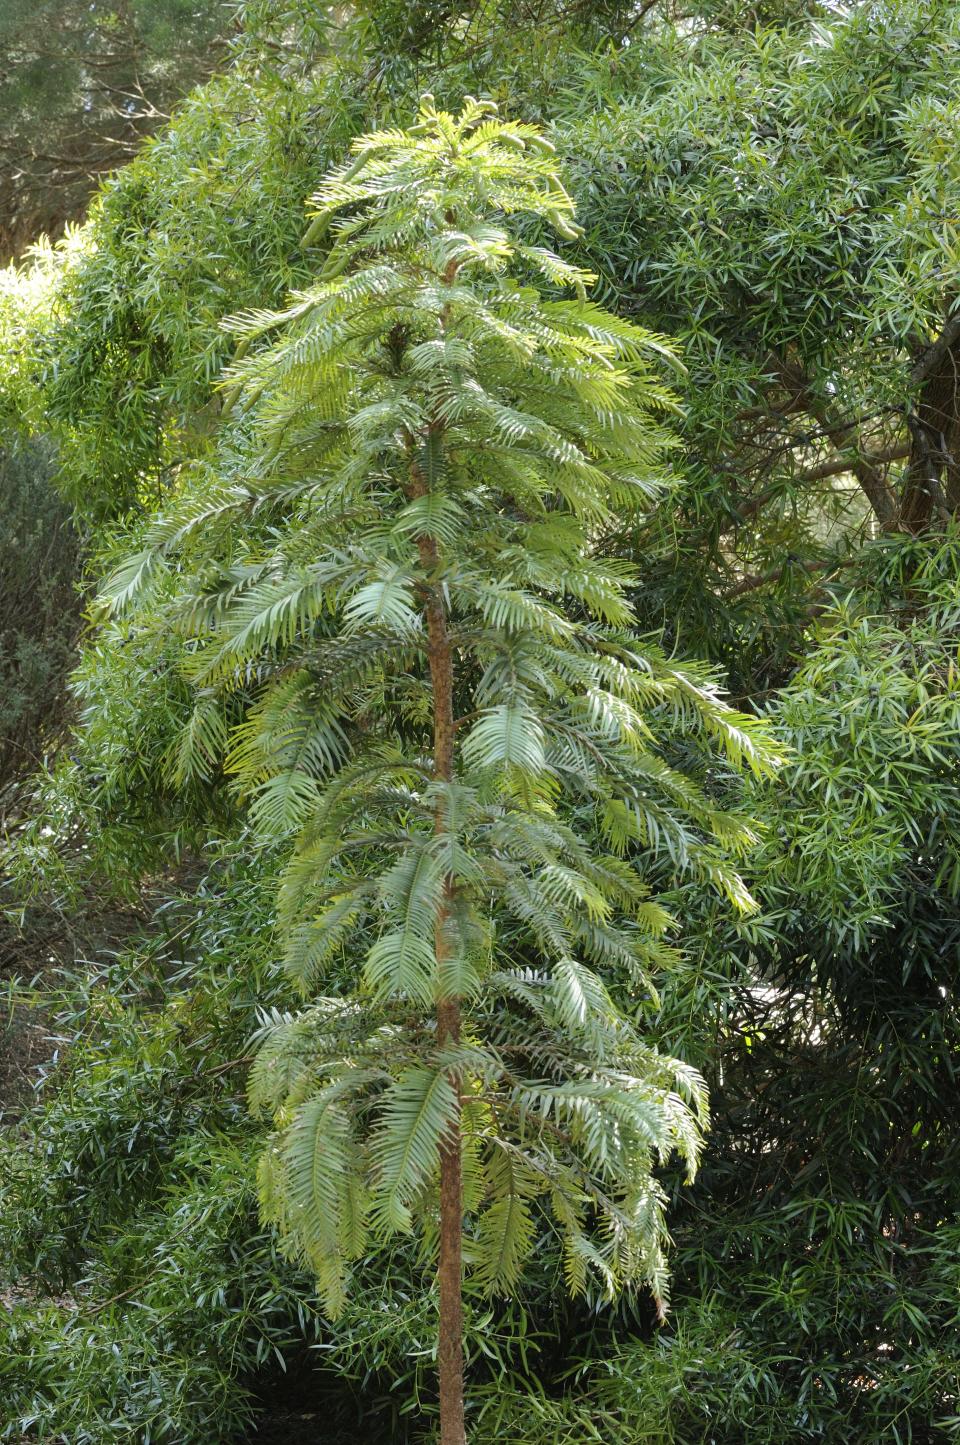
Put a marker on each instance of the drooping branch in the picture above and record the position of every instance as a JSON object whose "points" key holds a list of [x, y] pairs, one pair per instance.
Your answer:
{"points": [[781, 446]]}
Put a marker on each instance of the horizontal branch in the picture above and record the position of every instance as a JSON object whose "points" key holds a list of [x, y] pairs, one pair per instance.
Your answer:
{"points": [[753, 580], [846, 462]]}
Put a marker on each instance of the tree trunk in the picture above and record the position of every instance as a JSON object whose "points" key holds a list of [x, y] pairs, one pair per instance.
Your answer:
{"points": [[932, 489], [450, 1271], [450, 1349], [450, 1266]]}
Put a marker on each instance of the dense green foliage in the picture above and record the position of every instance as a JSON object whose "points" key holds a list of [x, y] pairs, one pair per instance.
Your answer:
{"points": [[774, 188]]}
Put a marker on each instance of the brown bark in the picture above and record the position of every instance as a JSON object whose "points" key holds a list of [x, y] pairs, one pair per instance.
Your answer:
{"points": [[450, 1267], [931, 487], [450, 1264], [450, 1270]]}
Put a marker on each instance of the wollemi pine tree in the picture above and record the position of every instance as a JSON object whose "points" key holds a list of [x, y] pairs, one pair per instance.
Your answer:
{"points": [[395, 579]]}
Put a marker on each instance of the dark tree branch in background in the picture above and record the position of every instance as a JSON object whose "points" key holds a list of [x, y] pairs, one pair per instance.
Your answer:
{"points": [[837, 466], [873, 484], [754, 580], [932, 486]]}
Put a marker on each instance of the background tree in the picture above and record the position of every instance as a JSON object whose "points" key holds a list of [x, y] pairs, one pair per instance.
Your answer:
{"points": [[39, 611], [782, 208], [83, 85]]}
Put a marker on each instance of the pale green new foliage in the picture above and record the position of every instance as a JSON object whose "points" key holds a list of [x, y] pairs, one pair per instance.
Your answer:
{"points": [[422, 432]]}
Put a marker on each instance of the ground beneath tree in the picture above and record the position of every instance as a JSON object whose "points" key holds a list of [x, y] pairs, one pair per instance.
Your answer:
{"points": [[308, 1427], [292, 1409], [289, 1427]]}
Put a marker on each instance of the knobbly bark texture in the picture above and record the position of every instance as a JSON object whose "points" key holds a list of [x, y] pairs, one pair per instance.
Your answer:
{"points": [[450, 1269], [450, 1351]]}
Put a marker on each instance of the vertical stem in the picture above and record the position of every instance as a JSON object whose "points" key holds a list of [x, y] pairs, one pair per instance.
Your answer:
{"points": [[450, 1270], [450, 1266], [450, 1347]]}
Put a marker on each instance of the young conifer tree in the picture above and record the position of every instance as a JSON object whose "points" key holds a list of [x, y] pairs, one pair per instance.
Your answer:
{"points": [[400, 558]]}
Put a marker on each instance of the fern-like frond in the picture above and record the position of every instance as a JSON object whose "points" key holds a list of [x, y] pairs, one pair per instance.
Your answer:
{"points": [[506, 1229], [415, 1114], [508, 736]]}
